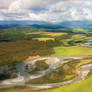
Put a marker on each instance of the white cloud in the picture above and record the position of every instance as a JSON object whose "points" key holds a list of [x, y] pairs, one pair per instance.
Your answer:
{"points": [[46, 10]]}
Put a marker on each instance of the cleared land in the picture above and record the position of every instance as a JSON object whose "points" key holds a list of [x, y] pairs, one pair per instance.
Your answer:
{"points": [[44, 39]]}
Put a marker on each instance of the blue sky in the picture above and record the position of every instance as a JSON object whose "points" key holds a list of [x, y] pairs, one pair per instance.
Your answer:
{"points": [[46, 10]]}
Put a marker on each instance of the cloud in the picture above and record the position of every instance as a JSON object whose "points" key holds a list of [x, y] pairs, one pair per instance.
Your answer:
{"points": [[46, 10]]}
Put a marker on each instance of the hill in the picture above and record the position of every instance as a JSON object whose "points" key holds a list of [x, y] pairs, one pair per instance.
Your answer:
{"points": [[78, 24]]}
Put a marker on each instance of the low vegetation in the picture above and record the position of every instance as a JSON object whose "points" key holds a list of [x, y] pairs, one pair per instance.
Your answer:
{"points": [[89, 74], [40, 66], [65, 72], [17, 51], [18, 89], [7, 76], [82, 86], [15, 45], [72, 51]]}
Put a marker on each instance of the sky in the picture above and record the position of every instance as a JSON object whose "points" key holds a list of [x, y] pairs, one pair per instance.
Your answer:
{"points": [[46, 10]]}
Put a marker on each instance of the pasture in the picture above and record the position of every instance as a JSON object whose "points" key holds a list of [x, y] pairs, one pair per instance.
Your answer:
{"points": [[72, 51], [82, 86]]}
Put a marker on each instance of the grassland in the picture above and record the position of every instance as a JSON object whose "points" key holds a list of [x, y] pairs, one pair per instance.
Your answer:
{"points": [[44, 39], [79, 30], [89, 74], [72, 51], [78, 36], [82, 86], [44, 36], [55, 34], [40, 66], [17, 51]]}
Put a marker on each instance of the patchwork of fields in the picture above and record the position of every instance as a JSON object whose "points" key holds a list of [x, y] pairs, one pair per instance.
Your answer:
{"points": [[15, 48]]}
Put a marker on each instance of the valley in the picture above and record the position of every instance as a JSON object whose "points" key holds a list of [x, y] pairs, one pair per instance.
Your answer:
{"points": [[39, 59], [45, 45]]}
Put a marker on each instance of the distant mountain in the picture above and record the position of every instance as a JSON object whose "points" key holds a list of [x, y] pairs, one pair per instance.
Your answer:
{"points": [[77, 24], [31, 27], [36, 24], [47, 25], [6, 26], [23, 22], [10, 24]]}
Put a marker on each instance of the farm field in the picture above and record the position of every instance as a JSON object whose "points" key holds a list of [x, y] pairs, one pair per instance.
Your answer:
{"points": [[44, 34], [72, 51], [55, 34], [44, 39]]}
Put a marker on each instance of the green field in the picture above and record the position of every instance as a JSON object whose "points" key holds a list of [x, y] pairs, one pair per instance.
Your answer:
{"points": [[72, 51], [55, 34], [82, 86], [44, 35], [79, 30]]}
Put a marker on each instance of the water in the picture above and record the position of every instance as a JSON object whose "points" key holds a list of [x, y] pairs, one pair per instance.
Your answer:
{"points": [[22, 72]]}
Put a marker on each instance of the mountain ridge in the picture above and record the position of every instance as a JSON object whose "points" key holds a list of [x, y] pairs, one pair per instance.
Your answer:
{"points": [[42, 24]]}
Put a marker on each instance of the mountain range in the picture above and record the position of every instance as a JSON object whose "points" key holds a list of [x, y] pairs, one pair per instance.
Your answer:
{"points": [[42, 24]]}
